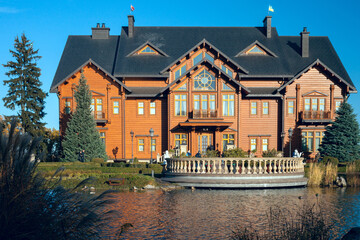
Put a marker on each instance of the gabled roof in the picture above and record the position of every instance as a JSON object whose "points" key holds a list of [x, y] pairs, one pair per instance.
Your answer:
{"points": [[317, 62], [205, 61], [267, 92], [242, 52], [202, 42], [148, 44], [90, 61]]}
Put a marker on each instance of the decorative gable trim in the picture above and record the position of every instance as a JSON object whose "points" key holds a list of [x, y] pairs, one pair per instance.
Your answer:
{"points": [[97, 93], [318, 62], [90, 61], [204, 61], [314, 93], [261, 46], [159, 51], [203, 42]]}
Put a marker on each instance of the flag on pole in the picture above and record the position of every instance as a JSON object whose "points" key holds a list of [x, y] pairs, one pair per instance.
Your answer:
{"points": [[271, 9], [132, 8]]}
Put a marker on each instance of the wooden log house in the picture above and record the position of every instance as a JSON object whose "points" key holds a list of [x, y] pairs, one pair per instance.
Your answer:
{"points": [[204, 88]]}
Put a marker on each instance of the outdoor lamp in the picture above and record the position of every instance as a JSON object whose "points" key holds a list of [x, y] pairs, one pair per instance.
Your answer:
{"points": [[290, 135], [151, 131], [132, 146]]}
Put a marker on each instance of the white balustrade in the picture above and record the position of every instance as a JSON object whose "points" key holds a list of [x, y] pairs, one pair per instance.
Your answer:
{"points": [[242, 166]]}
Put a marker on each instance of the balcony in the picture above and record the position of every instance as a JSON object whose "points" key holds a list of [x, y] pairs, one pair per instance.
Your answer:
{"points": [[99, 116], [204, 114], [315, 116]]}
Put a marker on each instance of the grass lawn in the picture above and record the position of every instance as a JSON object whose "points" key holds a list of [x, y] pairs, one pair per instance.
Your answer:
{"points": [[135, 175]]}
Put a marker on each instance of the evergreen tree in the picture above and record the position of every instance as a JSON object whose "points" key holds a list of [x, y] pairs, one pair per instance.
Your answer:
{"points": [[342, 137], [25, 87], [81, 132]]}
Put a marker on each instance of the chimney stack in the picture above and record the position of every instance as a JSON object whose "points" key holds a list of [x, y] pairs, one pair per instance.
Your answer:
{"points": [[100, 32], [131, 26], [267, 26], [305, 43]]}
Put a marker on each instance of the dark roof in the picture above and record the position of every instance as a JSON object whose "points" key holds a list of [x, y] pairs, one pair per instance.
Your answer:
{"points": [[145, 91], [263, 92], [112, 54]]}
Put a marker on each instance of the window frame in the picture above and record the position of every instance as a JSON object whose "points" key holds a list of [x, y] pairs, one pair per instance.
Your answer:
{"points": [[252, 107], [265, 108], [116, 107], [153, 145], [305, 136], [141, 144], [103, 137], [141, 108], [195, 56], [291, 107], [153, 51], [315, 101], [228, 101], [152, 108], [180, 100], [265, 144], [226, 138], [67, 106], [181, 70], [227, 70], [253, 142], [180, 139]]}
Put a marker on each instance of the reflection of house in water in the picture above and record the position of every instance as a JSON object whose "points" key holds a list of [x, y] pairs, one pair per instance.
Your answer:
{"points": [[204, 87]]}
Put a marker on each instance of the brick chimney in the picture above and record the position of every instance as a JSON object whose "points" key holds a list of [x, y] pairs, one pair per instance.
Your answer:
{"points": [[131, 26], [267, 26], [305, 43], [100, 32]]}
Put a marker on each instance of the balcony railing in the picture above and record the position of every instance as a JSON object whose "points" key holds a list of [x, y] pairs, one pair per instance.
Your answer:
{"points": [[98, 115], [315, 115], [242, 166], [204, 114]]}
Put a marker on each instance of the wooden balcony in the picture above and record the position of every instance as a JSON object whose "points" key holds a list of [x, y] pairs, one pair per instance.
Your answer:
{"points": [[99, 116], [315, 116], [203, 114]]}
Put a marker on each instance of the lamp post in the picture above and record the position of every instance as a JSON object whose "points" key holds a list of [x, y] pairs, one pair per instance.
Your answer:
{"points": [[290, 136], [132, 146], [282, 142], [151, 131]]}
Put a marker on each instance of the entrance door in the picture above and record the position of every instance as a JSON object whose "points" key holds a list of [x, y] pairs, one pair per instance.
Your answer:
{"points": [[204, 142]]}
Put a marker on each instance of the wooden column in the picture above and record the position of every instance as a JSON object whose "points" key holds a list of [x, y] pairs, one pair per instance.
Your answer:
{"points": [[217, 143], [238, 119], [332, 107], [108, 108], [297, 101], [192, 141]]}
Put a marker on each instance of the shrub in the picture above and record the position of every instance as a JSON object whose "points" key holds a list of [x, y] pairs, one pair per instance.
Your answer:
{"points": [[332, 160], [34, 208], [235, 152], [270, 153], [98, 160], [331, 171], [352, 176], [316, 173], [212, 153]]}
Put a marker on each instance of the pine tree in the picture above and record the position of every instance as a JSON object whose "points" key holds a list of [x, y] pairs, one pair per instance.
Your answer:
{"points": [[25, 87], [81, 132], [342, 137]]}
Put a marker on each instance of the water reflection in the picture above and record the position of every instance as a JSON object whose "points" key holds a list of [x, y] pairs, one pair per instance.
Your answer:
{"points": [[206, 214]]}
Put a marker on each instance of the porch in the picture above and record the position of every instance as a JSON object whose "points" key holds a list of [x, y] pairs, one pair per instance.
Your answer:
{"points": [[236, 172]]}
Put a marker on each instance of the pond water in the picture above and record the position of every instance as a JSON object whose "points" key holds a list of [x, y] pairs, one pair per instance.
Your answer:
{"points": [[213, 214]]}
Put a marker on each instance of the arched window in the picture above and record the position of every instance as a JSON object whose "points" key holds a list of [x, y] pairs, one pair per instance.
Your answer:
{"points": [[204, 81]]}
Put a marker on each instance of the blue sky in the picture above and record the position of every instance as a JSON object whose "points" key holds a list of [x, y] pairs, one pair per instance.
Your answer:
{"points": [[48, 23]]}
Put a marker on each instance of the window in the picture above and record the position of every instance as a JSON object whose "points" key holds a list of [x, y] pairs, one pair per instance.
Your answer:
{"points": [[204, 81], [141, 108], [180, 105], [96, 108], [311, 140], [197, 59], [116, 107], [228, 139], [315, 104], [196, 102], [255, 50], [225, 87], [253, 108], [265, 144], [182, 87], [291, 107], [180, 71], [228, 105], [152, 108], [147, 50], [337, 105], [212, 102], [265, 108], [141, 145], [102, 137], [153, 145], [209, 57], [253, 144], [226, 70], [67, 107], [180, 139]]}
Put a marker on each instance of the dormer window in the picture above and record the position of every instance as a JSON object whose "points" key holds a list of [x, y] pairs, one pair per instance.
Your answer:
{"points": [[255, 50], [226, 70], [180, 71], [147, 50]]}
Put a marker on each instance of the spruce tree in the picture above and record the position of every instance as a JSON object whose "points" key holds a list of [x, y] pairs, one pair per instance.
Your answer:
{"points": [[24, 85], [342, 137], [81, 132]]}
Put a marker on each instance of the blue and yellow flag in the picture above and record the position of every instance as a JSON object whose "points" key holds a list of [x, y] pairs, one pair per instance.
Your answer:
{"points": [[271, 9]]}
